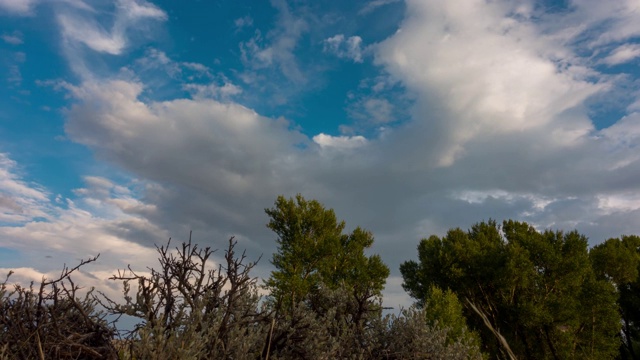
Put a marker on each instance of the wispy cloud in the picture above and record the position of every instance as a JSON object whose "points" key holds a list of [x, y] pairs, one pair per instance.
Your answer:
{"points": [[278, 46], [91, 34], [14, 38], [240, 23], [18, 7], [46, 233], [83, 28], [349, 48], [20, 201], [374, 111], [375, 4], [215, 91], [623, 54]]}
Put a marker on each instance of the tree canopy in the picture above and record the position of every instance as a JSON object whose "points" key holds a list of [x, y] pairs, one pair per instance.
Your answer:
{"points": [[618, 262], [314, 253], [537, 290]]}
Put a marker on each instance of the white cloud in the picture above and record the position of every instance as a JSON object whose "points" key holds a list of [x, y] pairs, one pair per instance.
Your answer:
{"points": [[232, 141], [375, 4], [339, 142], [538, 202], [625, 202], [277, 49], [624, 134], [486, 72], [80, 25], [89, 33], [213, 91], [349, 48], [155, 59], [19, 201], [46, 234], [18, 7], [615, 22], [139, 9], [623, 54], [202, 69]]}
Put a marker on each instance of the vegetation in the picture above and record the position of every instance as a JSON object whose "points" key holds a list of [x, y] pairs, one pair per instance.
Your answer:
{"points": [[316, 261], [51, 321], [617, 261], [495, 291], [530, 294]]}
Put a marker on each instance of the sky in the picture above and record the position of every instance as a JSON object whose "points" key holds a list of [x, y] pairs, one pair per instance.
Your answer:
{"points": [[126, 122]]}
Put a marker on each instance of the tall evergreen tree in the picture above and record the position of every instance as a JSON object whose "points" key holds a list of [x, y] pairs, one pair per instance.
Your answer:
{"points": [[314, 253]]}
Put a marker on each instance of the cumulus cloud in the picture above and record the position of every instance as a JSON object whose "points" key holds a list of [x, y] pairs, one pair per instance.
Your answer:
{"points": [[221, 153], [340, 142], [480, 76]]}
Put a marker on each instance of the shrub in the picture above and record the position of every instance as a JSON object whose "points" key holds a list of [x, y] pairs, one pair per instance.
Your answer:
{"points": [[51, 321]]}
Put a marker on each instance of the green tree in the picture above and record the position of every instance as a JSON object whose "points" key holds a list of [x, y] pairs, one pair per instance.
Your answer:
{"points": [[313, 253], [535, 290], [618, 262], [443, 309]]}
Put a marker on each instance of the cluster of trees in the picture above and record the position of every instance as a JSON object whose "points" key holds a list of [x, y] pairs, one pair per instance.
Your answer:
{"points": [[536, 295], [495, 291]]}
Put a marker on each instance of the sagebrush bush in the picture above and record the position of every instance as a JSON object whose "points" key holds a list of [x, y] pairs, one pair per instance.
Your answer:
{"points": [[189, 311], [52, 321]]}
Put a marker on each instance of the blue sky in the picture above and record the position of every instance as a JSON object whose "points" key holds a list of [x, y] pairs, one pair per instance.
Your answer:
{"points": [[125, 122]]}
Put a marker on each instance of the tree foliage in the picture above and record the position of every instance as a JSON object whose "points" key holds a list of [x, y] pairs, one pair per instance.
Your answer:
{"points": [[618, 262], [536, 289], [443, 309], [313, 253]]}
